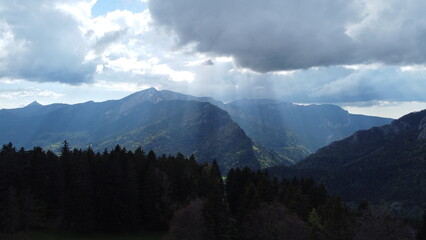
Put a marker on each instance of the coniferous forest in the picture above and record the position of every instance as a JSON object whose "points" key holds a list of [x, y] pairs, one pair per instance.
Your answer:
{"points": [[121, 191]]}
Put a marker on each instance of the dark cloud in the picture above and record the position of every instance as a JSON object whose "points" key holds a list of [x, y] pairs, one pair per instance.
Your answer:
{"points": [[272, 35], [107, 39], [43, 44], [209, 62]]}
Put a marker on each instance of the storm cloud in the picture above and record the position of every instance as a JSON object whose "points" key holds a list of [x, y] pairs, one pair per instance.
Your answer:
{"points": [[41, 43], [323, 51], [273, 35]]}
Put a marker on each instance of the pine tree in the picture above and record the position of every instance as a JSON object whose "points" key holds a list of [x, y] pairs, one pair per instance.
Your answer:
{"points": [[273, 221], [11, 176], [315, 226], [215, 209], [188, 223], [156, 200], [422, 232]]}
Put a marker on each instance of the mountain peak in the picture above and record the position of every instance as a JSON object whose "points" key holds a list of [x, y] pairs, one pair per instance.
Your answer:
{"points": [[149, 90], [153, 95], [34, 104], [147, 95]]}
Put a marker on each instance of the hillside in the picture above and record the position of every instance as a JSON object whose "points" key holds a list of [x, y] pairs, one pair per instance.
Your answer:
{"points": [[294, 131], [382, 164]]}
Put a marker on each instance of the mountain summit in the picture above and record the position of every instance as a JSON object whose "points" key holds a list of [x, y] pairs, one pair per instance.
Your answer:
{"points": [[153, 95], [34, 104]]}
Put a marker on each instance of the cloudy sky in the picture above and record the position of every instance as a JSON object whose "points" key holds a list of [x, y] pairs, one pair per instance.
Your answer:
{"points": [[368, 56]]}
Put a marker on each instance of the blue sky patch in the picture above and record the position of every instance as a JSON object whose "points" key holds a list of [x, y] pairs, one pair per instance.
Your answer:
{"points": [[102, 7]]}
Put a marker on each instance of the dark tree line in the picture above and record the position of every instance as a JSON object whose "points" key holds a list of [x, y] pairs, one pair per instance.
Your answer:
{"points": [[125, 191], [259, 207], [84, 191]]}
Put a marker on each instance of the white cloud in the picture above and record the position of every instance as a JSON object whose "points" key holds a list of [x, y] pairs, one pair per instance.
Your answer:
{"points": [[80, 10], [120, 86], [177, 76], [385, 108], [27, 93], [371, 66], [43, 45], [10, 81], [129, 64], [413, 68]]}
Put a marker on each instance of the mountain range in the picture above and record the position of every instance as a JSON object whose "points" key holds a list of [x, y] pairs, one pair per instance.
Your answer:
{"points": [[295, 131], [291, 131], [255, 133]]}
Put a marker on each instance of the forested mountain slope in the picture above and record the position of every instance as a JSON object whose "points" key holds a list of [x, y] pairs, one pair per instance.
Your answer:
{"points": [[385, 163], [288, 130], [294, 131]]}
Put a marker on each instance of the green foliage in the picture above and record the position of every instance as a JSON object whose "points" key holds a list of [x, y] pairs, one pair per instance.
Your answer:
{"points": [[384, 165], [315, 225], [123, 191], [325, 216], [378, 224], [69, 236], [274, 221], [189, 223], [268, 158], [421, 234], [83, 191]]}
